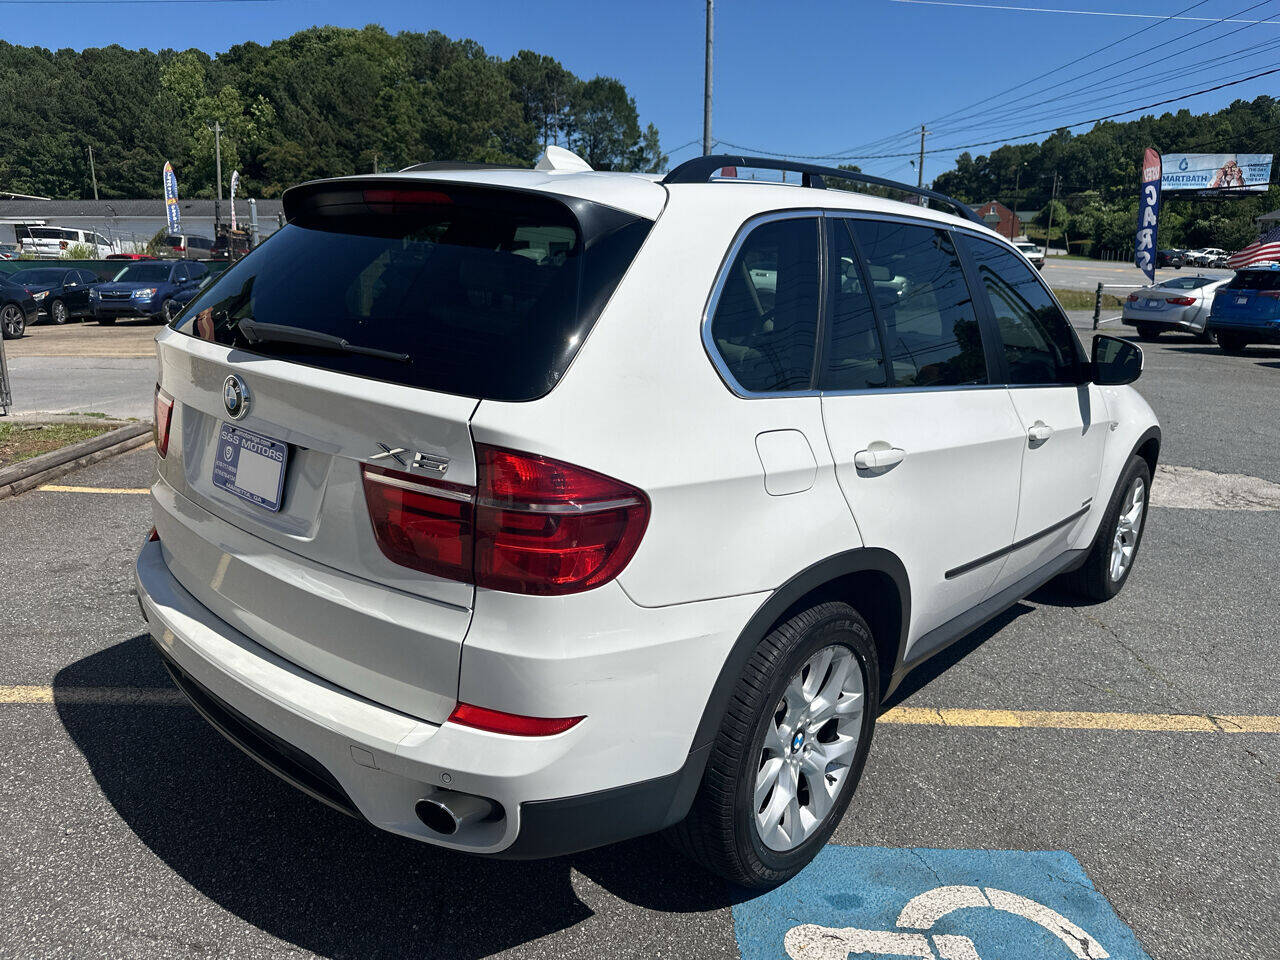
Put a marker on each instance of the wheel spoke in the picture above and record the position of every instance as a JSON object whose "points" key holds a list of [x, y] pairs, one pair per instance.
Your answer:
{"points": [[767, 778], [818, 665]]}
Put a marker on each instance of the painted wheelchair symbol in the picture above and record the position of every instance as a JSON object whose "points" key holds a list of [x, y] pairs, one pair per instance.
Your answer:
{"points": [[813, 942]]}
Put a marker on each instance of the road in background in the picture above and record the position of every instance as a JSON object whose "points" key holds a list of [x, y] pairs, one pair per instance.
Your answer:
{"points": [[1065, 274], [84, 368]]}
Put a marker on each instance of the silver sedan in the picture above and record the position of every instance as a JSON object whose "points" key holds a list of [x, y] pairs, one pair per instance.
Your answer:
{"points": [[1180, 303]]}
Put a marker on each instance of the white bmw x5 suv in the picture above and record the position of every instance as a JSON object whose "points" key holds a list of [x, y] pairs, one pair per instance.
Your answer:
{"points": [[524, 511]]}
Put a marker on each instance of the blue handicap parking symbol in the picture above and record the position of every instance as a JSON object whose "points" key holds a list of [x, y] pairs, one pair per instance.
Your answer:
{"points": [[877, 902]]}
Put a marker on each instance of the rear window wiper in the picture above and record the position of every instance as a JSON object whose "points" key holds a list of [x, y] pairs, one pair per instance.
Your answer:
{"points": [[255, 331]]}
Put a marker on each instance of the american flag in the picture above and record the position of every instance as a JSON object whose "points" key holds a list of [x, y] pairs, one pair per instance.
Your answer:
{"points": [[1266, 247]]}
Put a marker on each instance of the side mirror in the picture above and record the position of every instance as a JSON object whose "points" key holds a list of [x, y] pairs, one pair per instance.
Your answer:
{"points": [[1115, 361]]}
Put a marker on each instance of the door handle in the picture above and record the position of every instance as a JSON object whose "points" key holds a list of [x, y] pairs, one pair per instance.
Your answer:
{"points": [[1039, 432], [878, 456]]}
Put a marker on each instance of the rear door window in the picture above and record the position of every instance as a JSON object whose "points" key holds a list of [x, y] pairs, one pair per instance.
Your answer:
{"points": [[918, 284], [765, 324], [854, 354], [474, 291], [1039, 345]]}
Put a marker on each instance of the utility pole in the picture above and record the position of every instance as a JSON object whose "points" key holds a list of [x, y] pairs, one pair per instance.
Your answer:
{"points": [[1017, 184], [923, 201], [706, 86], [93, 173], [217, 166], [1053, 198], [375, 163]]}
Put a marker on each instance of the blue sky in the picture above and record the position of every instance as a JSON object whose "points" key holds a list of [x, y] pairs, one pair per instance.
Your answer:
{"points": [[791, 77]]}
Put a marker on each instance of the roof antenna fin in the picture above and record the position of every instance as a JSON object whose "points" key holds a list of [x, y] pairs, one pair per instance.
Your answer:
{"points": [[560, 160]]}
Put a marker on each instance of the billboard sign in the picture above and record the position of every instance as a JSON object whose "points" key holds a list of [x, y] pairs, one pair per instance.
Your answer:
{"points": [[172, 215], [1216, 173], [1144, 247]]}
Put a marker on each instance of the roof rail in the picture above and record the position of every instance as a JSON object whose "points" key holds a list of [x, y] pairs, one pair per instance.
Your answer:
{"points": [[702, 169], [457, 165]]}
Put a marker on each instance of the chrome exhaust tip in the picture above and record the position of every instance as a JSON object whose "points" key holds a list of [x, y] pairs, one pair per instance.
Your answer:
{"points": [[446, 812]]}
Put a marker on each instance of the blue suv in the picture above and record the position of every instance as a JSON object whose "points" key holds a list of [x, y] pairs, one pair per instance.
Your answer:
{"points": [[1247, 310], [155, 289]]}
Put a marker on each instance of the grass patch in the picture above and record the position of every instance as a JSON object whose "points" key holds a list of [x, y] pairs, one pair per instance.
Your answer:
{"points": [[1083, 300], [22, 441]]}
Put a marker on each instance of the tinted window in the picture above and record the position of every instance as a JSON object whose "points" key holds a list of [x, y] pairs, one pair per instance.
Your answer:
{"points": [[1255, 280], [88, 276], [920, 294], [486, 293], [180, 273], [41, 276], [854, 357], [1185, 283], [197, 270], [766, 320], [1039, 344]]}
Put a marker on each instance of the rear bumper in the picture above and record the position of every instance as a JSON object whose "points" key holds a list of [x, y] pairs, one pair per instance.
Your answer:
{"points": [[1260, 332], [376, 763], [1181, 318]]}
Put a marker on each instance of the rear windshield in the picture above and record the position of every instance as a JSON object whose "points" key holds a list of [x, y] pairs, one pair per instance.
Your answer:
{"points": [[1255, 280], [479, 292], [1186, 283]]}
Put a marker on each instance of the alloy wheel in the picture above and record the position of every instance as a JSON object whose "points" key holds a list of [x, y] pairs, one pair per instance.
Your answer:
{"points": [[1128, 528], [58, 311], [809, 743], [12, 322]]}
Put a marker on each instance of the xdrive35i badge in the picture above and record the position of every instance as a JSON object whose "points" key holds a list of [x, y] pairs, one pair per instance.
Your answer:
{"points": [[426, 462], [235, 397]]}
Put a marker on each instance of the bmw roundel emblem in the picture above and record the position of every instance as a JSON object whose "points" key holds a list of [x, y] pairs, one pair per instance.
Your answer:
{"points": [[235, 397]]}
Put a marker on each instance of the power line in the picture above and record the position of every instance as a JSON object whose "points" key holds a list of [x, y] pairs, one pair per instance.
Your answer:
{"points": [[1021, 136], [1082, 13]]}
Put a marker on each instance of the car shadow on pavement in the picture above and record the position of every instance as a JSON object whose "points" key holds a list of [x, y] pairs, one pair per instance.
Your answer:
{"points": [[313, 877]]}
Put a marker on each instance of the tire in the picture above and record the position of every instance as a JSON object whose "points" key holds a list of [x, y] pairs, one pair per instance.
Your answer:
{"points": [[1232, 343], [730, 828], [1147, 331], [13, 324], [1204, 336], [58, 312], [168, 310], [106, 321], [1098, 579]]}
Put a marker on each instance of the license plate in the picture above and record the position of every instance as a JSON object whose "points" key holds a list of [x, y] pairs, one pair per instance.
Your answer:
{"points": [[1242, 299], [1151, 304], [251, 466]]}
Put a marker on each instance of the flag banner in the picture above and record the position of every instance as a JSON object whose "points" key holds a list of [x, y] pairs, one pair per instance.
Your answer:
{"points": [[235, 182], [1144, 247], [1216, 174], [172, 214], [1265, 248]]}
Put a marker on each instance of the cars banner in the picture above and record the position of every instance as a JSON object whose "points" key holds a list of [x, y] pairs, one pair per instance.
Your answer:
{"points": [[1144, 248], [172, 214], [1216, 174]]}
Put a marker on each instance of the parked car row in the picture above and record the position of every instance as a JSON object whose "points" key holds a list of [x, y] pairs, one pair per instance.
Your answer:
{"points": [[151, 289], [1238, 311], [1204, 257]]}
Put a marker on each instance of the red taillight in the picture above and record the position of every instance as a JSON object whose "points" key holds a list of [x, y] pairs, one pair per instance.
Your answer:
{"points": [[163, 417], [1270, 294], [532, 525], [420, 523], [547, 527], [512, 724], [1132, 298], [1180, 301], [153, 536]]}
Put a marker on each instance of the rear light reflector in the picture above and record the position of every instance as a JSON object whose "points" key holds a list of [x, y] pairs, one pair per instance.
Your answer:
{"points": [[421, 523], [1132, 298], [532, 525], [1270, 294], [153, 536], [163, 420], [1180, 301], [401, 200], [513, 724]]}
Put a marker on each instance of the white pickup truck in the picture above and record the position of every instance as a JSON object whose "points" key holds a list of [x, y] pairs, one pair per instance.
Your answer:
{"points": [[1031, 252]]}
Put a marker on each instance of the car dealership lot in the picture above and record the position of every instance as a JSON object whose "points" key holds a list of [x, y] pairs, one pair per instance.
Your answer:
{"points": [[133, 830]]}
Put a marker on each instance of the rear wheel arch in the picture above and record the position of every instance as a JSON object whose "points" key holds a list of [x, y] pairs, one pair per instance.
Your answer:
{"points": [[871, 580]]}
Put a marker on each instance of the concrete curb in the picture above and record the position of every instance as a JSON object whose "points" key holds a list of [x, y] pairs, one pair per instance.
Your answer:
{"points": [[29, 474]]}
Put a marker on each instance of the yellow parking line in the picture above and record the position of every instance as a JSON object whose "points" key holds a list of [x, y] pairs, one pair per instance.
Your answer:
{"points": [[60, 488], [90, 695], [1077, 720]]}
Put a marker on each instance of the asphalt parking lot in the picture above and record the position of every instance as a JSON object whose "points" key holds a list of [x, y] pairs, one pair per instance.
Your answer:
{"points": [[1121, 761]]}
